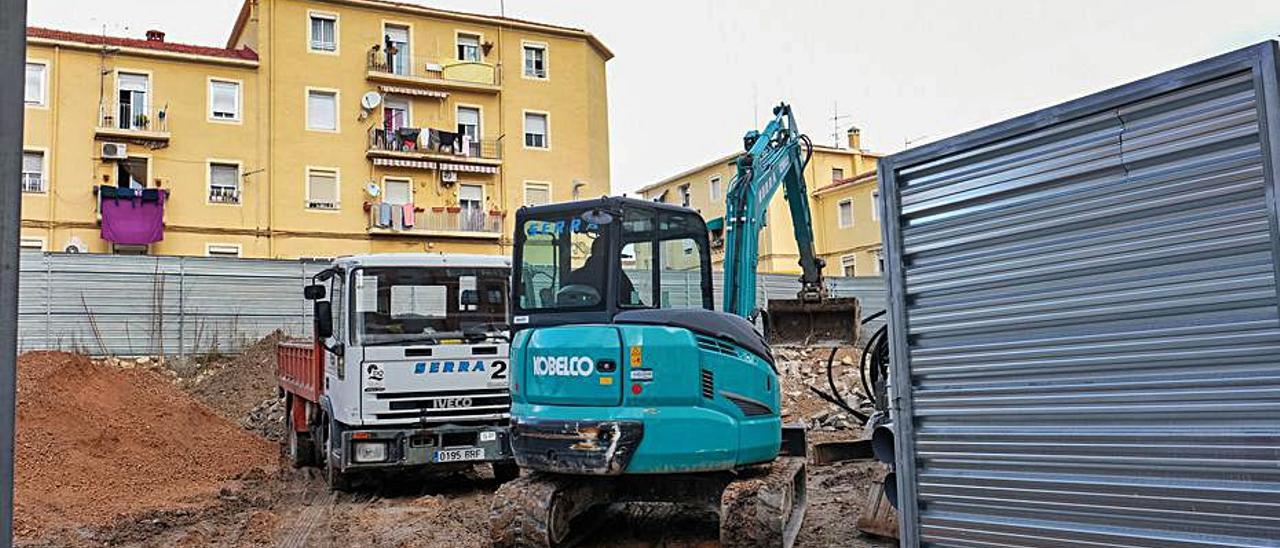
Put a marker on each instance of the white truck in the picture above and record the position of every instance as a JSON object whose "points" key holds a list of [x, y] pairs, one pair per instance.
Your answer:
{"points": [[407, 367]]}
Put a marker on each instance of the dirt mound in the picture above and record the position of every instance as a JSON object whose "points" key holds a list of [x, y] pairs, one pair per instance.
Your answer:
{"points": [[233, 385], [96, 444]]}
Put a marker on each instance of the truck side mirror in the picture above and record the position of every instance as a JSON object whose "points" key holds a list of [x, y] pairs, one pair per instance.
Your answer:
{"points": [[324, 319], [313, 292]]}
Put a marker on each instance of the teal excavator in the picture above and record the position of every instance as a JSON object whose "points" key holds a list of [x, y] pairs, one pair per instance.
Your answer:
{"points": [[627, 385]]}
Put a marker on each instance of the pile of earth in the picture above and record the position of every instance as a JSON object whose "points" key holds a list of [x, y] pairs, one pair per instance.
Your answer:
{"points": [[240, 387], [98, 444]]}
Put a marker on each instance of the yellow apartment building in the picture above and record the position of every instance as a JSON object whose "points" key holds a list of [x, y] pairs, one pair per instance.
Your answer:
{"points": [[321, 128], [841, 183]]}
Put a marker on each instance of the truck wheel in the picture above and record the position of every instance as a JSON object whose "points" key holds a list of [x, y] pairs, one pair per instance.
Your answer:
{"points": [[300, 445], [505, 471], [333, 475]]}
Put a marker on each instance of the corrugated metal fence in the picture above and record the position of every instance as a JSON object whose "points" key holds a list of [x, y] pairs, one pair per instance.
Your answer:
{"points": [[143, 305], [1085, 323]]}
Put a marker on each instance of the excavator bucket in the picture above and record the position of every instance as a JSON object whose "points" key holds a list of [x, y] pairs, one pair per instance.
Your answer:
{"points": [[829, 322]]}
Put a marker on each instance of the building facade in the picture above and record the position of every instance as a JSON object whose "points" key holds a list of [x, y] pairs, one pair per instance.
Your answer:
{"points": [[842, 186], [322, 128]]}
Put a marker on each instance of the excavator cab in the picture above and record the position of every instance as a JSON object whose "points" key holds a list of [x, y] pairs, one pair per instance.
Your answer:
{"points": [[585, 262]]}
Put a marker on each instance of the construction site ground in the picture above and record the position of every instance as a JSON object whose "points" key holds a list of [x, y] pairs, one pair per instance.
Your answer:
{"points": [[145, 452]]}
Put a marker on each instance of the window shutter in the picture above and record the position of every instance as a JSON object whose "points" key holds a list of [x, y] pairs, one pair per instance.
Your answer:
{"points": [[471, 192], [322, 110], [32, 162], [34, 90], [133, 82], [323, 187], [397, 192], [225, 176], [535, 124], [225, 97]]}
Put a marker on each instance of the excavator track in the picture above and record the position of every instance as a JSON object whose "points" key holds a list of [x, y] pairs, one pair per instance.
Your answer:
{"points": [[764, 507], [536, 510]]}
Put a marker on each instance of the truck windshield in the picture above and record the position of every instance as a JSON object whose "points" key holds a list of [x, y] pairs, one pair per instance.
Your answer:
{"points": [[397, 305]]}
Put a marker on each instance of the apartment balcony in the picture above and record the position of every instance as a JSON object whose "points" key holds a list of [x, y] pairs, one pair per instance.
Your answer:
{"points": [[432, 73], [424, 149], [128, 122], [436, 222]]}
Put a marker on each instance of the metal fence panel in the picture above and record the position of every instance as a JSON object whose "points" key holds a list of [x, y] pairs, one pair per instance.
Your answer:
{"points": [[130, 305], [1085, 322]]}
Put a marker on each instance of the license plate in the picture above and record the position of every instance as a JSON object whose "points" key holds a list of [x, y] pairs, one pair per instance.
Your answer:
{"points": [[457, 455]]}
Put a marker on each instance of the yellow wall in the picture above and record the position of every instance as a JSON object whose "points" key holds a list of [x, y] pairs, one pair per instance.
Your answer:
{"points": [[778, 253], [861, 239], [65, 130], [275, 148]]}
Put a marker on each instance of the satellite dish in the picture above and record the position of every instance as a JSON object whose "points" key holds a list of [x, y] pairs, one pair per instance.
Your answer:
{"points": [[371, 100], [373, 190]]}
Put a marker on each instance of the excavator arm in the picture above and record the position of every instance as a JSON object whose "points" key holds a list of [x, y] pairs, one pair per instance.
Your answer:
{"points": [[776, 158]]}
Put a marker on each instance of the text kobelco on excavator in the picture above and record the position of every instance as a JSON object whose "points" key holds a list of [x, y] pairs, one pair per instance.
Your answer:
{"points": [[563, 366]]}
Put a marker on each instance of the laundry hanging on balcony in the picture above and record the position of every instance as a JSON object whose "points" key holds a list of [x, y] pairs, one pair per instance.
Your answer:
{"points": [[408, 215], [132, 216]]}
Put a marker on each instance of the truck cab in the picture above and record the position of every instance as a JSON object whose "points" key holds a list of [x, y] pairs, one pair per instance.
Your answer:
{"points": [[408, 366]]}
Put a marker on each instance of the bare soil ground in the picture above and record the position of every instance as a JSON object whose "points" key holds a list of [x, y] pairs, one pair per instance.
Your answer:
{"points": [[139, 476]]}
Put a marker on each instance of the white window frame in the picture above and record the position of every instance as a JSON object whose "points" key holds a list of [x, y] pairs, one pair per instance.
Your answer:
{"points": [[32, 243], [223, 250], [394, 179], [715, 188], [44, 168], [524, 123], [878, 255], [43, 102], [337, 188], [875, 205], [337, 109], [337, 32], [686, 194], [208, 181], [479, 119], [847, 202], [149, 107], [847, 261], [239, 111], [525, 46], [541, 185], [408, 27], [457, 41]]}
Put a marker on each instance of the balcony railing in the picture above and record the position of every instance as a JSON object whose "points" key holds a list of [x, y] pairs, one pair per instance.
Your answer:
{"points": [[133, 117], [224, 195], [32, 182], [464, 72], [435, 220], [421, 141]]}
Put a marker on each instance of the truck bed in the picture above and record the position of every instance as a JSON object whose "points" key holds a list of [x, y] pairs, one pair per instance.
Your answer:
{"points": [[300, 368]]}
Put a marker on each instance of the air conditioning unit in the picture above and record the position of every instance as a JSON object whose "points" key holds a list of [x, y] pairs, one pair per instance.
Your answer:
{"points": [[115, 151], [75, 245], [448, 177]]}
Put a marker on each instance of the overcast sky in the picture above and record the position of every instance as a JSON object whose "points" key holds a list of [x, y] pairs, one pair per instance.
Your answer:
{"points": [[691, 76]]}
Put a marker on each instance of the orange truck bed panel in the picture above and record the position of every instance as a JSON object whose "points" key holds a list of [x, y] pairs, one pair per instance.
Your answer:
{"points": [[300, 368]]}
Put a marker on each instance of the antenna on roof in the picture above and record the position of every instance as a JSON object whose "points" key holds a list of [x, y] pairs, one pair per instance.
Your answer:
{"points": [[836, 118]]}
